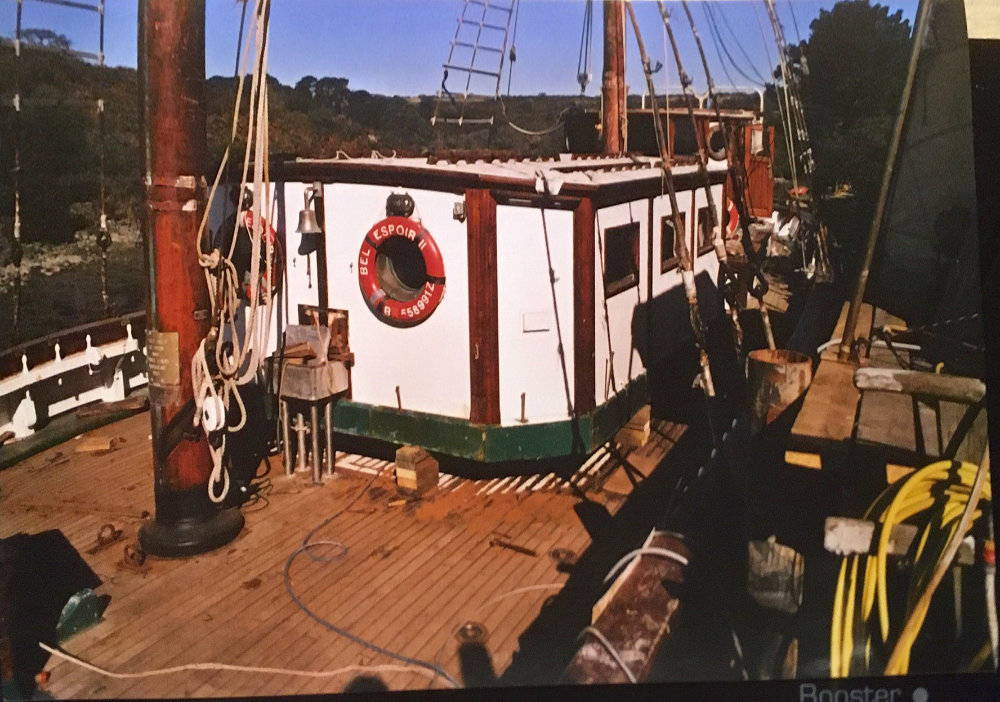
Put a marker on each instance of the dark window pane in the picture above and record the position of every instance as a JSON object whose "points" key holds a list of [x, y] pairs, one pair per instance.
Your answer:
{"points": [[621, 258], [668, 258], [704, 228], [685, 141]]}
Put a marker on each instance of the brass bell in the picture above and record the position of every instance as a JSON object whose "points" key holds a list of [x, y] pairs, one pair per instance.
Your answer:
{"points": [[308, 225]]}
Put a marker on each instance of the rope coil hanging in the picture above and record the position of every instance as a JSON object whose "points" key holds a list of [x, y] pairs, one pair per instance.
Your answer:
{"points": [[218, 372]]}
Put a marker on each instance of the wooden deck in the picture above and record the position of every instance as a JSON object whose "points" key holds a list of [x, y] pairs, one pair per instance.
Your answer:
{"points": [[413, 574]]}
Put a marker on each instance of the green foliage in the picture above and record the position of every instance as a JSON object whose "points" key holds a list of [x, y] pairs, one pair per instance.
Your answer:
{"points": [[851, 81], [60, 142], [857, 56]]}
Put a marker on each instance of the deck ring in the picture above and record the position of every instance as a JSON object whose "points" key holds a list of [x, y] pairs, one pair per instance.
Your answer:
{"points": [[400, 272], [107, 534], [471, 632]]}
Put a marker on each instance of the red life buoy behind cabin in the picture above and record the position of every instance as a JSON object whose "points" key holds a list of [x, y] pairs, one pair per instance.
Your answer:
{"points": [[246, 221], [734, 218], [394, 243]]}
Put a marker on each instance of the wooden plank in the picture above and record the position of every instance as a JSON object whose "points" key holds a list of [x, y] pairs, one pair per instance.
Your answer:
{"points": [[271, 600], [829, 407], [584, 331], [451, 582], [948, 388], [846, 537], [148, 604], [484, 332]]}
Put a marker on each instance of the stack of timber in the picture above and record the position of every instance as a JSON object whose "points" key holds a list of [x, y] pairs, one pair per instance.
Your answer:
{"points": [[416, 471], [635, 434]]}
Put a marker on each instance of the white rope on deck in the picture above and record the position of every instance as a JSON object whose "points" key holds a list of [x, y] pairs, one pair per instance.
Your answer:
{"points": [[384, 668]]}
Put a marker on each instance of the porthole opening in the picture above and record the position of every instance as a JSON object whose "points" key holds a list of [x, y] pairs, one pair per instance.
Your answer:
{"points": [[400, 268]]}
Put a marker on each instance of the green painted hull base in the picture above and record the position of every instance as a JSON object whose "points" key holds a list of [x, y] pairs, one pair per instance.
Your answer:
{"points": [[493, 443]]}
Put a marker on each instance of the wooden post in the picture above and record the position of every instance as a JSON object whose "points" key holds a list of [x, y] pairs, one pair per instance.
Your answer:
{"points": [[484, 332], [887, 181], [584, 271], [613, 88], [171, 104]]}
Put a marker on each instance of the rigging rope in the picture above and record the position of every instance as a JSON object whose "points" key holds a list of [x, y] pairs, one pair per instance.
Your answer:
{"points": [[759, 81], [739, 178], [685, 263], [726, 279], [513, 49]]}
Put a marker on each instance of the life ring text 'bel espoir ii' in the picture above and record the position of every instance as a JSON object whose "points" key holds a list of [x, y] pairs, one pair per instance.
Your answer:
{"points": [[401, 272]]}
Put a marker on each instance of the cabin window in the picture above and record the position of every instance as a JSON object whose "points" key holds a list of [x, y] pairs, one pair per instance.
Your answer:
{"points": [[621, 258], [704, 229], [685, 140], [668, 242]]}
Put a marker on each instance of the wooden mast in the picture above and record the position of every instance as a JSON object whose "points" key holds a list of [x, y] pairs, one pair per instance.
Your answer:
{"points": [[171, 104], [613, 118]]}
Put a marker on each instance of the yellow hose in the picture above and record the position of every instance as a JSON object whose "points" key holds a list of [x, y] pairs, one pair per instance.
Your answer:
{"points": [[911, 498]]}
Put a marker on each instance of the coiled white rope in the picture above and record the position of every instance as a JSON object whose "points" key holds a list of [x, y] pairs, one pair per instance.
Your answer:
{"points": [[240, 365]]}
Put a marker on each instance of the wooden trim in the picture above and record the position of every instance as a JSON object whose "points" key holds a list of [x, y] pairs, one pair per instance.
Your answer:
{"points": [[649, 250], [443, 179], [618, 193], [484, 333], [583, 307]]}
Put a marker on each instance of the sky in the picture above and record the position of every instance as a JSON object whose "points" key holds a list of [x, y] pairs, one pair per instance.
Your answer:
{"points": [[397, 47]]}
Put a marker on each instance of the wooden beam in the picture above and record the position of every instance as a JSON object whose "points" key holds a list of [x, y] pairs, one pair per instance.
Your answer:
{"points": [[847, 537], [634, 617], [949, 388], [484, 339], [584, 332]]}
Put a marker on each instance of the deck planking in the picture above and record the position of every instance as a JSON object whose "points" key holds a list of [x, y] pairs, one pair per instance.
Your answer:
{"points": [[414, 572]]}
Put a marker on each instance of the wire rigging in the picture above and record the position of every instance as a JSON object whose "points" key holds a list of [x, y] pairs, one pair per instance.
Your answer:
{"points": [[739, 45], [795, 22], [684, 257], [584, 61]]}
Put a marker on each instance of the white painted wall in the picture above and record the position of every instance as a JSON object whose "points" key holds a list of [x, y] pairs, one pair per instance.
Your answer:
{"points": [[627, 364], [429, 362], [529, 357]]}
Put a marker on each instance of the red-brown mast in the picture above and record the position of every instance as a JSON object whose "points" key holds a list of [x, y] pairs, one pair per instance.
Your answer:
{"points": [[171, 103], [613, 87]]}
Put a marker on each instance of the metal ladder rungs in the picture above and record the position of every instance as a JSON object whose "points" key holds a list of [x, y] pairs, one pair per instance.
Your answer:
{"points": [[478, 47], [484, 25], [99, 7], [469, 69], [488, 6]]}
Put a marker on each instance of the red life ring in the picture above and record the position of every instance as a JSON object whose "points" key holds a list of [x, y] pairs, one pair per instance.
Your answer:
{"points": [[413, 309], [734, 218], [246, 220]]}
